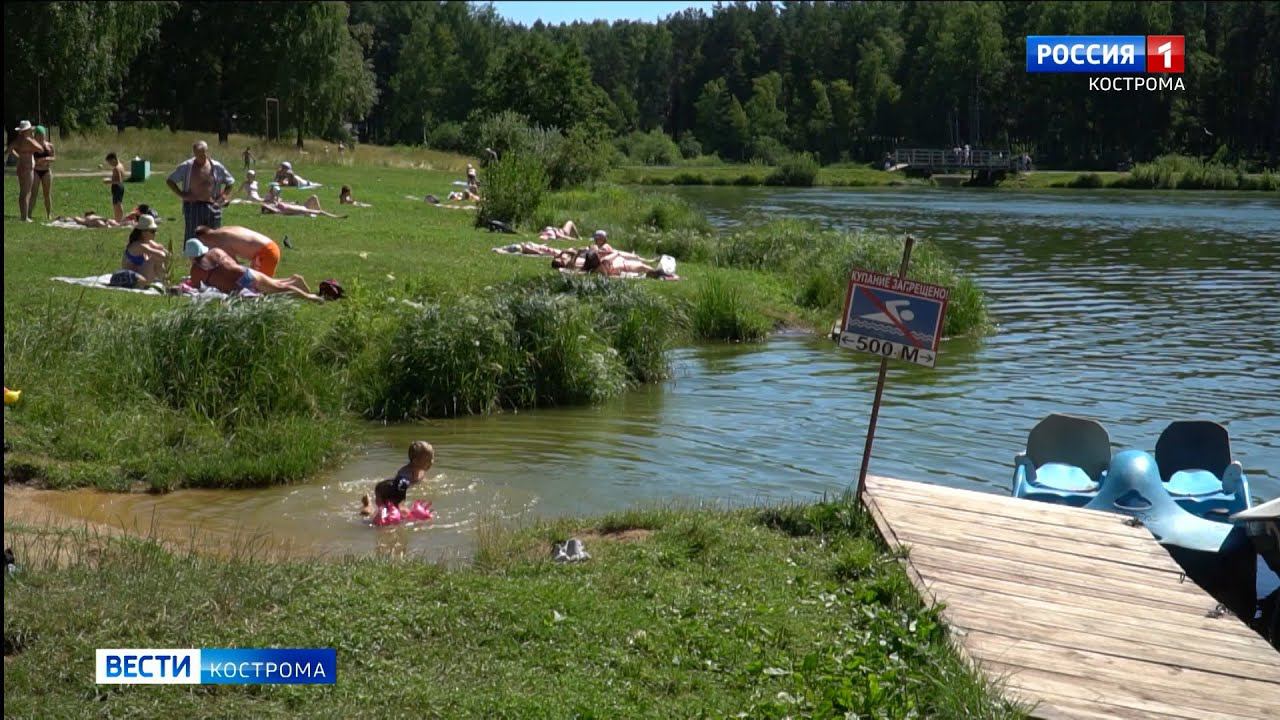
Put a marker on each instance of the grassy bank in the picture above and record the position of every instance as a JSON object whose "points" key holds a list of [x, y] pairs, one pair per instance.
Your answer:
{"points": [[123, 390], [763, 613], [1165, 173]]}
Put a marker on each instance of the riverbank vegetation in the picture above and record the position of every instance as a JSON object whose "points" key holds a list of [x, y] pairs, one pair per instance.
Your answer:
{"points": [[789, 611], [124, 390]]}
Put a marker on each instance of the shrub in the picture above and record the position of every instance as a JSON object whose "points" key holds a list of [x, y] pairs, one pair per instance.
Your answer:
{"points": [[747, 180], [797, 170], [767, 150], [513, 187], [450, 137], [688, 178], [584, 156], [689, 146], [652, 148], [1086, 181]]}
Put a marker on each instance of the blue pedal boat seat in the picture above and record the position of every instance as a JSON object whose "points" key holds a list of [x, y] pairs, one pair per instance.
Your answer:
{"points": [[1196, 466], [1065, 462], [1216, 555]]}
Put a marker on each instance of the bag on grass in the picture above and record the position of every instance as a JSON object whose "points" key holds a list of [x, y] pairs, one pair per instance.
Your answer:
{"points": [[331, 290]]}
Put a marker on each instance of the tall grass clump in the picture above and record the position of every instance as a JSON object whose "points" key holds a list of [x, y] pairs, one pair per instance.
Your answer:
{"points": [[566, 359], [619, 211], [640, 325], [448, 360], [722, 311], [797, 170], [819, 261], [226, 362], [513, 188], [536, 343], [1169, 172]]}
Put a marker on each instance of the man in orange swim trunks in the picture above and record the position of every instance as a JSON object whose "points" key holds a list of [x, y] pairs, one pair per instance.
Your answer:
{"points": [[261, 251]]}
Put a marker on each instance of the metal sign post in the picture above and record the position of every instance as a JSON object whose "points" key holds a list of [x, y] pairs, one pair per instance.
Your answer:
{"points": [[892, 317]]}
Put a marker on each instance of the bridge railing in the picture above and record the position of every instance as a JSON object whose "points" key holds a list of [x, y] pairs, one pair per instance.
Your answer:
{"points": [[933, 158]]}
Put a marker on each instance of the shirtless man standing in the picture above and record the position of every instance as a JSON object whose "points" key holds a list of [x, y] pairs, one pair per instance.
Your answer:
{"points": [[261, 251], [204, 185], [216, 268]]}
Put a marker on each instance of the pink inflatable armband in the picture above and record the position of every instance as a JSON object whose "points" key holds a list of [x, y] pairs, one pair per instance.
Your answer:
{"points": [[420, 511], [387, 515]]}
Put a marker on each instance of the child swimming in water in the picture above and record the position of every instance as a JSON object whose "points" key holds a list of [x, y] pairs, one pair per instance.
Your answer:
{"points": [[393, 490]]}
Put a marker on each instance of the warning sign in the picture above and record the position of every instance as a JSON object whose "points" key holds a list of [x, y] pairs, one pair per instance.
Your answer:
{"points": [[893, 317]]}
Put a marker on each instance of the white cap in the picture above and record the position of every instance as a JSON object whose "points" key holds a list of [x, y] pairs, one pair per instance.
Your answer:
{"points": [[194, 248], [23, 126]]}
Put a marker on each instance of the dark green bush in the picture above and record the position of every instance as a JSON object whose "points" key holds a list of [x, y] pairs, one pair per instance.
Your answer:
{"points": [[513, 188], [689, 146], [450, 137], [797, 170]]}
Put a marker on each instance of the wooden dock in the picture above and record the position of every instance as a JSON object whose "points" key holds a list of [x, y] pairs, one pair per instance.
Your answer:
{"points": [[1074, 611]]}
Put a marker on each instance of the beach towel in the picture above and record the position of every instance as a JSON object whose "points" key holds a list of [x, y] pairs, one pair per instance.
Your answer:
{"points": [[103, 282], [205, 294], [72, 225]]}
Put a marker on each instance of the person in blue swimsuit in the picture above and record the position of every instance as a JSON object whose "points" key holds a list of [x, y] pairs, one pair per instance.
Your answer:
{"points": [[394, 490], [143, 255]]}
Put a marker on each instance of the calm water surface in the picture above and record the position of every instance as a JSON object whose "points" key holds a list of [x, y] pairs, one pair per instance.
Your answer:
{"points": [[1136, 309]]}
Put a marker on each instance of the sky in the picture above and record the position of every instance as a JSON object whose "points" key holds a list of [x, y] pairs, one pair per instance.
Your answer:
{"points": [[527, 12]]}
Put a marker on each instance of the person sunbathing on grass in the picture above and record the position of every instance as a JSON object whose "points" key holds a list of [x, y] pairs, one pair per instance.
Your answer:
{"points": [[607, 251], [568, 231], [143, 255], [92, 219], [568, 260], [272, 204], [344, 198], [250, 189], [286, 176], [215, 268], [528, 248]]}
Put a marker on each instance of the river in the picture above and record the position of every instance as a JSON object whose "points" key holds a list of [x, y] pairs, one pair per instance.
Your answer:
{"points": [[1133, 308]]}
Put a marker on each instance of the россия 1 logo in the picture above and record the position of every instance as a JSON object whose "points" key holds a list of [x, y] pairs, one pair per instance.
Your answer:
{"points": [[1158, 55]]}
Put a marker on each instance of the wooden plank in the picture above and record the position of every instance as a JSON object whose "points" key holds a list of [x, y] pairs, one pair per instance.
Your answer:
{"points": [[1062, 693], [897, 507], [1206, 692], [1169, 638], [993, 504], [957, 586], [1030, 546], [1070, 569], [1091, 639], [1236, 644], [928, 557], [1087, 614]]}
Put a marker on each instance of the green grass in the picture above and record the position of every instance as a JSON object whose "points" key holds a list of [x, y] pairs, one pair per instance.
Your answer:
{"points": [[747, 174], [791, 611], [1185, 174], [121, 389]]}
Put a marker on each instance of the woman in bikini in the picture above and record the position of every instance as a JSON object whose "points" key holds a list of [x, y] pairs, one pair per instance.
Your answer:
{"points": [[143, 255], [92, 219], [43, 158], [568, 231], [24, 147]]}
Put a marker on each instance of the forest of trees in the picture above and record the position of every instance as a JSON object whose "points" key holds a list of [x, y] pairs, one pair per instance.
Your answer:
{"points": [[844, 80]]}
